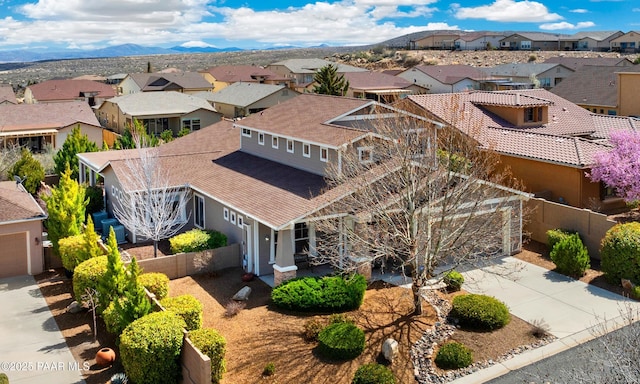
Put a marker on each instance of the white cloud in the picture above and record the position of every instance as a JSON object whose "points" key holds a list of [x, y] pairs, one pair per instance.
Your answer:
{"points": [[636, 10], [579, 10], [196, 44], [507, 11], [567, 26]]}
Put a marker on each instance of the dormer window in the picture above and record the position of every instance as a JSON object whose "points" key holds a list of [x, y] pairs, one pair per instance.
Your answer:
{"points": [[533, 115]]}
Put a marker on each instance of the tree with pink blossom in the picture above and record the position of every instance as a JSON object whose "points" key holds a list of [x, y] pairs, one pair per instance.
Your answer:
{"points": [[619, 168]]}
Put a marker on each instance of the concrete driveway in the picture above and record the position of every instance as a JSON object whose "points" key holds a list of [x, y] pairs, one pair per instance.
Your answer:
{"points": [[32, 349]]}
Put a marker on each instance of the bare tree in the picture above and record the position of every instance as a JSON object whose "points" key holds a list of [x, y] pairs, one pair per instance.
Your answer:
{"points": [[9, 155], [152, 205], [419, 196]]}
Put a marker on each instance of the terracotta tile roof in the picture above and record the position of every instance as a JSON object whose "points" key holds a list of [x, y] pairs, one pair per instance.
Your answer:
{"points": [[20, 117], [375, 81], [451, 74], [245, 73], [7, 94], [577, 62], [69, 89], [308, 117], [16, 204]]}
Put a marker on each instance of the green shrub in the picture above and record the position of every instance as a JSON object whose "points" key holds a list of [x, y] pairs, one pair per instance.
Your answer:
{"points": [[635, 292], [28, 166], [320, 294], [555, 235], [480, 312], [454, 280], [166, 135], [212, 344], [269, 369], [4, 379], [96, 199], [150, 348], [453, 355], [197, 240], [184, 132], [341, 341], [570, 256], [187, 307], [312, 328], [71, 250], [373, 374], [620, 253], [88, 275], [156, 283]]}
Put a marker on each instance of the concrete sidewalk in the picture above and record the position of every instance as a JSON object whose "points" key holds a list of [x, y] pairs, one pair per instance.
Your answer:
{"points": [[572, 309], [32, 349]]}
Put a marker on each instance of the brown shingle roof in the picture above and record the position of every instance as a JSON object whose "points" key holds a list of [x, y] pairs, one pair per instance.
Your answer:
{"points": [[7, 94], [577, 62], [16, 204], [47, 115], [245, 73], [160, 81], [375, 81], [69, 89], [451, 74]]}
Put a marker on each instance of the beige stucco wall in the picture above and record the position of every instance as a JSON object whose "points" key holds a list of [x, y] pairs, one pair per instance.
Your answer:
{"points": [[35, 254], [628, 86], [93, 133]]}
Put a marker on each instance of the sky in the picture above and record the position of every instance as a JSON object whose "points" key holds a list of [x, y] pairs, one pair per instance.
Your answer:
{"points": [[255, 24]]}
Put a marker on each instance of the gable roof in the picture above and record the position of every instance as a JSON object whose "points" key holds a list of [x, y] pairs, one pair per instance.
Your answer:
{"points": [[70, 90], [20, 117], [7, 94], [577, 62], [149, 82], [520, 69], [16, 204], [539, 36], [375, 81], [451, 74], [159, 103], [471, 36], [313, 65], [244, 94], [594, 35], [235, 73]]}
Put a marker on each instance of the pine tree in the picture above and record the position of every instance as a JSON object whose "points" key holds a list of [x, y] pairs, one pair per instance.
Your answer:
{"points": [[329, 82], [28, 166], [75, 143], [112, 286], [134, 303]]}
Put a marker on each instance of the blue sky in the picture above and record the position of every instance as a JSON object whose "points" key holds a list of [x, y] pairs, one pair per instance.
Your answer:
{"points": [[88, 24]]}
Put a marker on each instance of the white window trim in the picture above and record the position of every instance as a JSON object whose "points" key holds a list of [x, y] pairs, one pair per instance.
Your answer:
{"points": [[272, 248], [306, 149], [361, 151], [240, 220], [324, 150], [291, 145], [261, 138], [274, 142], [246, 132], [232, 217], [195, 210], [225, 213]]}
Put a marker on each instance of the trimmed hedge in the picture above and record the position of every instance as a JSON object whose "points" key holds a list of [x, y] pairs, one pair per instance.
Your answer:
{"points": [[187, 307], [341, 341], [71, 250], [150, 348], [156, 283], [480, 312], [197, 240], [373, 374], [453, 355], [454, 280], [88, 275], [320, 294], [212, 344], [570, 256], [620, 253]]}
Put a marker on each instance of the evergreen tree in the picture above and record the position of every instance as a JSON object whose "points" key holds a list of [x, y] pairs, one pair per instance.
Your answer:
{"points": [[66, 205], [28, 169], [138, 132], [329, 82], [112, 286], [76, 142], [134, 304]]}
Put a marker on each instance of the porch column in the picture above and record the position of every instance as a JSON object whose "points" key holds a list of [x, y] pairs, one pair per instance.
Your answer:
{"points": [[82, 173], [285, 267]]}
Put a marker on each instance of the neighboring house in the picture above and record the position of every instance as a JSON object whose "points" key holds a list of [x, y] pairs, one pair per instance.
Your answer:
{"points": [[56, 91], [37, 125], [99, 79], [547, 142], [183, 82], [437, 40], [7, 96], [627, 43], [380, 87], [596, 89], [302, 71], [532, 41], [157, 111], [261, 179], [577, 62], [242, 99], [546, 75], [21, 239], [224, 75], [589, 41], [445, 78], [479, 40]]}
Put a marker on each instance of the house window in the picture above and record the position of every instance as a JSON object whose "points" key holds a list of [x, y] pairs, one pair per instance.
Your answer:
{"points": [[274, 246], [274, 142], [232, 217], [289, 146], [246, 132], [365, 154], [607, 192], [324, 154], [301, 237], [260, 138], [191, 124], [240, 221], [198, 211], [225, 213], [532, 115], [306, 150]]}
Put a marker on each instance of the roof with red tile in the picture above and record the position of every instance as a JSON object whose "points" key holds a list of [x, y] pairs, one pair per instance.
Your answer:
{"points": [[245, 73], [7, 94], [21, 117], [375, 81], [51, 90], [16, 204]]}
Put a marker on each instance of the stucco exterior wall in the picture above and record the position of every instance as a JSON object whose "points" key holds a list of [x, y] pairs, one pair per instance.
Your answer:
{"points": [[628, 85], [33, 229]]}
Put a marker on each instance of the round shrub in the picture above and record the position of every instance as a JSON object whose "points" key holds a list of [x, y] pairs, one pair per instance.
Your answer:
{"points": [[320, 294], [88, 275], [212, 344], [187, 307], [373, 374], [480, 312], [570, 256], [620, 253], [555, 235], [453, 355], [197, 240], [341, 341], [71, 250], [454, 280], [156, 283], [150, 348], [4, 379]]}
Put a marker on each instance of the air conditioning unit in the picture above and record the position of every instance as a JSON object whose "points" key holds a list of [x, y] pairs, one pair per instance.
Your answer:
{"points": [[105, 226], [119, 231], [98, 217]]}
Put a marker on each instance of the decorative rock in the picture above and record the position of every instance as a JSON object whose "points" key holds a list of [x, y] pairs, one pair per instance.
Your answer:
{"points": [[243, 294], [74, 307], [390, 349]]}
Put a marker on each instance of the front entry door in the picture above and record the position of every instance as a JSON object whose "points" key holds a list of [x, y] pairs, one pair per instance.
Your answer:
{"points": [[247, 248]]}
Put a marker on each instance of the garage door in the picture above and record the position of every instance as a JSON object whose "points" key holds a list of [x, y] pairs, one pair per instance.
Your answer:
{"points": [[13, 254]]}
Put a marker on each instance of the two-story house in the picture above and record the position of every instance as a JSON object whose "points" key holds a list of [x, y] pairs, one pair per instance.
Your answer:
{"points": [[302, 71]]}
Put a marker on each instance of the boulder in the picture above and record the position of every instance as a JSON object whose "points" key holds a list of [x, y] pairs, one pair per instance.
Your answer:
{"points": [[243, 294], [390, 349], [74, 307]]}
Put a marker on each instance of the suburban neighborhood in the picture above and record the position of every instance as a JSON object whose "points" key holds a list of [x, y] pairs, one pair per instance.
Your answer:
{"points": [[329, 219]]}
